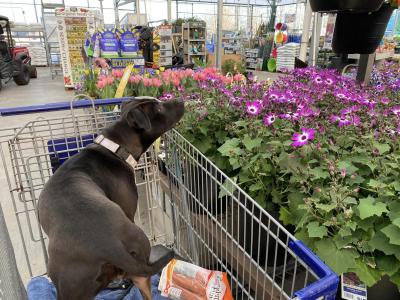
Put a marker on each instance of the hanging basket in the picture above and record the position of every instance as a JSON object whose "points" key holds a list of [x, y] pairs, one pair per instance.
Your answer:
{"points": [[345, 5], [360, 32]]}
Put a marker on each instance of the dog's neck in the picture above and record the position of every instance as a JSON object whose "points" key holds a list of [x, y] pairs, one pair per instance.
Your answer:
{"points": [[126, 137]]}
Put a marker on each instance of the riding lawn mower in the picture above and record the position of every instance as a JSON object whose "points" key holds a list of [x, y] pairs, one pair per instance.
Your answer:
{"points": [[15, 62]]}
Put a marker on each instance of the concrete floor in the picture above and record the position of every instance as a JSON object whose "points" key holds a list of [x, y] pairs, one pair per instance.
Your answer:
{"points": [[38, 91]]}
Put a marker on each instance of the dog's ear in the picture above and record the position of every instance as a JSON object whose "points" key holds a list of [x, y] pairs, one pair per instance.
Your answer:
{"points": [[138, 118]]}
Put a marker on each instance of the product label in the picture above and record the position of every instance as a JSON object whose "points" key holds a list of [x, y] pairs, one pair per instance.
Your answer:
{"points": [[353, 288]]}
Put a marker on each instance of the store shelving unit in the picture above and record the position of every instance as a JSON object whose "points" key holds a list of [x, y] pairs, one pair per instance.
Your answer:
{"points": [[250, 57], [194, 41]]}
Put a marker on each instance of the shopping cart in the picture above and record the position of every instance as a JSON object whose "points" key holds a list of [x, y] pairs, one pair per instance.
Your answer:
{"points": [[185, 203]]}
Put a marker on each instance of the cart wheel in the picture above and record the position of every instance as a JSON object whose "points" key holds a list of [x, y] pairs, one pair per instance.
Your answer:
{"points": [[32, 71], [22, 77]]}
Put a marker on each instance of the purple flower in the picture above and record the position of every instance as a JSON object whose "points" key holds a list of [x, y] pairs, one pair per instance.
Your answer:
{"points": [[269, 119], [318, 79], [235, 101], [396, 110], [301, 139], [385, 101], [167, 96], [253, 108], [342, 120], [330, 80], [290, 115]]}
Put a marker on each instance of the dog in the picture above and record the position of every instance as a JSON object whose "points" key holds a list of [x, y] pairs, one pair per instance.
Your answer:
{"points": [[87, 207]]}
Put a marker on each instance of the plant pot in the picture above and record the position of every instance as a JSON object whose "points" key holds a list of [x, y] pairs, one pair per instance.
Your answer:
{"points": [[384, 289], [360, 33], [345, 5]]}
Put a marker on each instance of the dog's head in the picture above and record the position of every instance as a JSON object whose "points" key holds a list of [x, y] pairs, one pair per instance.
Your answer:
{"points": [[151, 118]]}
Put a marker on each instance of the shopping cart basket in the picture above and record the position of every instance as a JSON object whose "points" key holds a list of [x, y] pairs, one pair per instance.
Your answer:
{"points": [[190, 206]]}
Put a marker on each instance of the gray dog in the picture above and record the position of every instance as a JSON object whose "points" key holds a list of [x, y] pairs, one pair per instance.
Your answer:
{"points": [[87, 207]]}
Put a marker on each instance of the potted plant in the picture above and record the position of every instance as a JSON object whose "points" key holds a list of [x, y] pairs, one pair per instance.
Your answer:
{"points": [[360, 32]]}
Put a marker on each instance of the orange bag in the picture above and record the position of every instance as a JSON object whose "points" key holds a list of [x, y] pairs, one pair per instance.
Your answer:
{"points": [[184, 281]]}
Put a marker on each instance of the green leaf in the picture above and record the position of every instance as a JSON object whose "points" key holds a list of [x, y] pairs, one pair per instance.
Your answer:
{"points": [[340, 260], [229, 147], [285, 216], [368, 208], [376, 184], [382, 148], [349, 167], [396, 222], [396, 278], [394, 209], [350, 200], [234, 163], [227, 188], [316, 231], [393, 233], [366, 274], [326, 207], [388, 263], [203, 130], [204, 144], [251, 143], [380, 242], [396, 186], [256, 187], [319, 173]]}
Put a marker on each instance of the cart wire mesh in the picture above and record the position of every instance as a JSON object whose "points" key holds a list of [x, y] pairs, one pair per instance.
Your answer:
{"points": [[185, 202]]}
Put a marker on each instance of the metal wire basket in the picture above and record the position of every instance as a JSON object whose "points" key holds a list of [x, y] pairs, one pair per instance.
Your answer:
{"points": [[190, 206]]}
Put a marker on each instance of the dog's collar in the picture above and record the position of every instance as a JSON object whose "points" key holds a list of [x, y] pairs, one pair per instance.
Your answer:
{"points": [[118, 150]]}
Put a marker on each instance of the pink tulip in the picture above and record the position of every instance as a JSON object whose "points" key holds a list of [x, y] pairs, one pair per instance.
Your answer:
{"points": [[146, 81], [175, 82], [156, 82], [238, 77], [101, 84], [110, 80]]}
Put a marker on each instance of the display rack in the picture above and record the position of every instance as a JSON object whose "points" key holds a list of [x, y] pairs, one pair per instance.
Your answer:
{"points": [[194, 41], [251, 58], [162, 36], [72, 25]]}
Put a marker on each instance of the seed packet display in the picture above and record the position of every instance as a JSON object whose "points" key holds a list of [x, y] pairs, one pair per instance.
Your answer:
{"points": [[129, 44], [109, 45]]}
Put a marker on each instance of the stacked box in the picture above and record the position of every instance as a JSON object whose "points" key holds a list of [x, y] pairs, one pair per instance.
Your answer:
{"points": [[38, 55], [163, 38], [287, 55]]}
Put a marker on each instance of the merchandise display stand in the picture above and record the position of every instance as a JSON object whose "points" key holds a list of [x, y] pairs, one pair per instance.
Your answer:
{"points": [[162, 37], [251, 58], [72, 25], [194, 41]]}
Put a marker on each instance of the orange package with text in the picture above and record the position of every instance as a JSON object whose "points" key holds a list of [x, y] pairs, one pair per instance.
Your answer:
{"points": [[184, 281]]}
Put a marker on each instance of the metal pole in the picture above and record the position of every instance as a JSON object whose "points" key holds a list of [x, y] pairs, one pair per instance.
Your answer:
{"points": [[306, 32], [137, 4], [218, 52], [101, 9], [316, 33], [36, 14], [365, 65], [169, 4], [116, 13]]}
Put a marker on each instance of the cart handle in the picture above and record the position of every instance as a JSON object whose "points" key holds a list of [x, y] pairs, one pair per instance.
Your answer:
{"points": [[21, 110], [328, 283]]}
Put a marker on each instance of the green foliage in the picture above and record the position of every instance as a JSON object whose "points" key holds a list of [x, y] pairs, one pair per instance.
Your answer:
{"points": [[232, 66], [342, 195]]}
